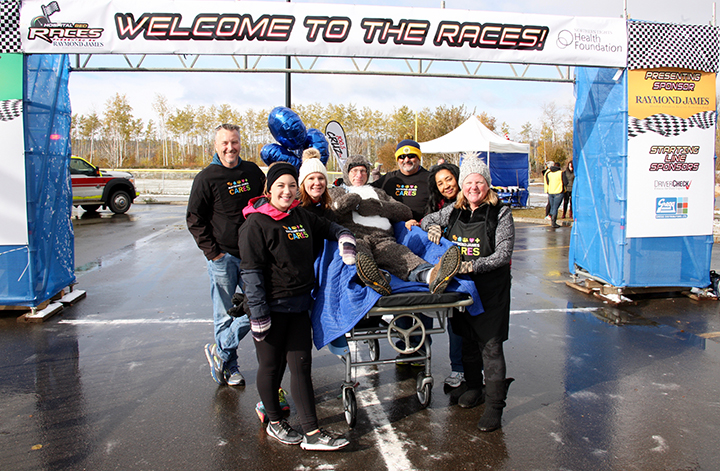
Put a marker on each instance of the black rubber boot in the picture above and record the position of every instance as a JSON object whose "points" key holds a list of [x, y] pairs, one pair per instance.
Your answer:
{"points": [[471, 398], [475, 394], [496, 393], [553, 220]]}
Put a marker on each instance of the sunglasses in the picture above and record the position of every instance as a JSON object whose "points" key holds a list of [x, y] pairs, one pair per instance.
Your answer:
{"points": [[408, 156]]}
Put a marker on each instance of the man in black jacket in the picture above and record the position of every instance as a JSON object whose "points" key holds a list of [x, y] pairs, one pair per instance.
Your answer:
{"points": [[214, 215], [409, 183]]}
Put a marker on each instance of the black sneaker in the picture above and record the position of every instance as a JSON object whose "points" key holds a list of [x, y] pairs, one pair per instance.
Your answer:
{"points": [[371, 275], [445, 270], [323, 441], [284, 433]]}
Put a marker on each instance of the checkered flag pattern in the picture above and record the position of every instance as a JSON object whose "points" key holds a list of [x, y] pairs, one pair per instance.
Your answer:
{"points": [[654, 45], [668, 125], [10, 26], [10, 109]]}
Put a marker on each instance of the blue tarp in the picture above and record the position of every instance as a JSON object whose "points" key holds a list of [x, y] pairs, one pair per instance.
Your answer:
{"points": [[598, 242], [32, 274], [510, 169]]}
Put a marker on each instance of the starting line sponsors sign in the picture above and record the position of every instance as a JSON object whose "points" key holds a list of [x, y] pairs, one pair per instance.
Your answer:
{"points": [[279, 28], [671, 147]]}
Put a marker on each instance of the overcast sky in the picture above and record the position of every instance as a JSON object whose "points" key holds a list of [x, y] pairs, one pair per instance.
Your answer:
{"points": [[513, 102]]}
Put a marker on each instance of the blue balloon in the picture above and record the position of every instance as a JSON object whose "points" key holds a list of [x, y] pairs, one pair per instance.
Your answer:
{"points": [[317, 140], [271, 153], [287, 128]]}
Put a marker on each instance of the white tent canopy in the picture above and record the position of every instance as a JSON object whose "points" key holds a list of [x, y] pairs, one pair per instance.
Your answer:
{"points": [[472, 136]]}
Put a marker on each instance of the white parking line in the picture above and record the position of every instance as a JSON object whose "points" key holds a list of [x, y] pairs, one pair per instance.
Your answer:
{"points": [[389, 445], [133, 321], [209, 321], [540, 311]]}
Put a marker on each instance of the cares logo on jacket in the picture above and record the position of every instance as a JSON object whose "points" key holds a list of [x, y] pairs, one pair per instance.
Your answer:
{"points": [[296, 232], [238, 186]]}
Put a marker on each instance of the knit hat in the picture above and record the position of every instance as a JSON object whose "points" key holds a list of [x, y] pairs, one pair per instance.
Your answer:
{"points": [[310, 153], [408, 146], [312, 166], [277, 170], [352, 162], [471, 163]]}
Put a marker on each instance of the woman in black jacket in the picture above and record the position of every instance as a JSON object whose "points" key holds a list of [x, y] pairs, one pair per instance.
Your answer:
{"points": [[482, 227], [277, 269]]}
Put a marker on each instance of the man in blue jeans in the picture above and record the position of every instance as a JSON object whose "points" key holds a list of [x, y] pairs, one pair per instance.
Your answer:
{"points": [[214, 215], [555, 191]]}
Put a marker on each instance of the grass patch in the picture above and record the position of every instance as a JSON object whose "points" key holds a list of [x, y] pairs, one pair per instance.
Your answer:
{"points": [[533, 213]]}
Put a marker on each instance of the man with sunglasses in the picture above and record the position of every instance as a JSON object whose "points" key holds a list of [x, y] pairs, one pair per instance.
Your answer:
{"points": [[409, 183]]}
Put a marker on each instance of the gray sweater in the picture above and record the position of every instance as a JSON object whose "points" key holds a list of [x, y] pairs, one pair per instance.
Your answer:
{"points": [[504, 237]]}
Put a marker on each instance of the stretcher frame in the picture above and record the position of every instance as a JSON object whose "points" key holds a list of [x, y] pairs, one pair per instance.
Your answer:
{"points": [[441, 311]]}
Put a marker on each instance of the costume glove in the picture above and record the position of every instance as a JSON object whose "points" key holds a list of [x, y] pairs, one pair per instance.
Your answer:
{"points": [[466, 267], [434, 234], [346, 246], [260, 327]]}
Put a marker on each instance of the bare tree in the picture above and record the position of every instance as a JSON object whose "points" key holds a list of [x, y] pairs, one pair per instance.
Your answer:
{"points": [[161, 107]]}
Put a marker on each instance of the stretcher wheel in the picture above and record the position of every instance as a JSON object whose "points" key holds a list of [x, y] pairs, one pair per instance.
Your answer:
{"points": [[424, 389], [350, 406], [374, 346], [405, 334]]}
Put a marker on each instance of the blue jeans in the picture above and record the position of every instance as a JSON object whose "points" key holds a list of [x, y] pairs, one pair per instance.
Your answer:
{"points": [[406, 323], [555, 201], [455, 349], [229, 331]]}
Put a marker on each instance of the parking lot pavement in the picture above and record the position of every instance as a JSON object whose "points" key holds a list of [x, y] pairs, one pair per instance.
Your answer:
{"points": [[119, 381]]}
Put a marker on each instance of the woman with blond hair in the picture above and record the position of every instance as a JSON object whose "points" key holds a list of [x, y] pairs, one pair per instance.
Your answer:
{"points": [[482, 227]]}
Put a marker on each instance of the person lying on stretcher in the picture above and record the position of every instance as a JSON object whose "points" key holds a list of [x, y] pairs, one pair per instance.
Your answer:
{"points": [[369, 213]]}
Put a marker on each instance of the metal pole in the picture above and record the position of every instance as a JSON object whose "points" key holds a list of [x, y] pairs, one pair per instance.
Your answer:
{"points": [[288, 84]]}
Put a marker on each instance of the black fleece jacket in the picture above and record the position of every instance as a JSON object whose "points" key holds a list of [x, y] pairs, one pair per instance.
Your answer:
{"points": [[218, 196]]}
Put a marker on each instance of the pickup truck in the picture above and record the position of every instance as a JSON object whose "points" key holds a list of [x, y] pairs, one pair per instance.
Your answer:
{"points": [[93, 188]]}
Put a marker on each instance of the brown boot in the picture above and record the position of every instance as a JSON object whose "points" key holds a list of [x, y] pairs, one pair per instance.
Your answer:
{"points": [[371, 275], [444, 271]]}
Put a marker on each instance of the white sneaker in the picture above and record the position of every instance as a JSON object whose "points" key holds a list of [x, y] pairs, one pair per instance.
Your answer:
{"points": [[455, 379]]}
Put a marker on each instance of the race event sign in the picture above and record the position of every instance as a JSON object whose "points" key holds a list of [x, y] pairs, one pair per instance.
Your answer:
{"points": [[671, 146], [279, 28], [14, 230]]}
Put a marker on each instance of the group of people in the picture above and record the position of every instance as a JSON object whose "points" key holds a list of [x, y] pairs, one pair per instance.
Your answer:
{"points": [[558, 185], [261, 233]]}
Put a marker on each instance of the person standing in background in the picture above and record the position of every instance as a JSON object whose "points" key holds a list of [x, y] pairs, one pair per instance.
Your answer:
{"points": [[409, 183], [568, 178], [553, 179]]}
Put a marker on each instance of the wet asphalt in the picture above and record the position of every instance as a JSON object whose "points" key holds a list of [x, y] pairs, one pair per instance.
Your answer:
{"points": [[119, 381]]}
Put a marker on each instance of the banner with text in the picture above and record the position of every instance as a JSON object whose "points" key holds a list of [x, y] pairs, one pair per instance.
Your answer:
{"points": [[276, 28], [671, 147], [13, 210]]}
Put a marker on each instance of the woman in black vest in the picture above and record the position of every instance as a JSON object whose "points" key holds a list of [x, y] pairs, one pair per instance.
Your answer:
{"points": [[483, 229]]}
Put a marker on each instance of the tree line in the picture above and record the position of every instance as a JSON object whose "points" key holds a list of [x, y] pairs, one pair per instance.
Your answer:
{"points": [[184, 137]]}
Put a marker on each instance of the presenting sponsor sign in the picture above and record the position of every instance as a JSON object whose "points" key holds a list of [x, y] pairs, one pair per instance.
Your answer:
{"points": [[279, 28], [671, 146], [13, 211]]}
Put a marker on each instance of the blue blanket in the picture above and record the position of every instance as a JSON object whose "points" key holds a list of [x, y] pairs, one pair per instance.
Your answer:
{"points": [[341, 300]]}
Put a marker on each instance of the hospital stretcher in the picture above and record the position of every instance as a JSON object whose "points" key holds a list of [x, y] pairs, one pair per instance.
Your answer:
{"points": [[374, 327]]}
